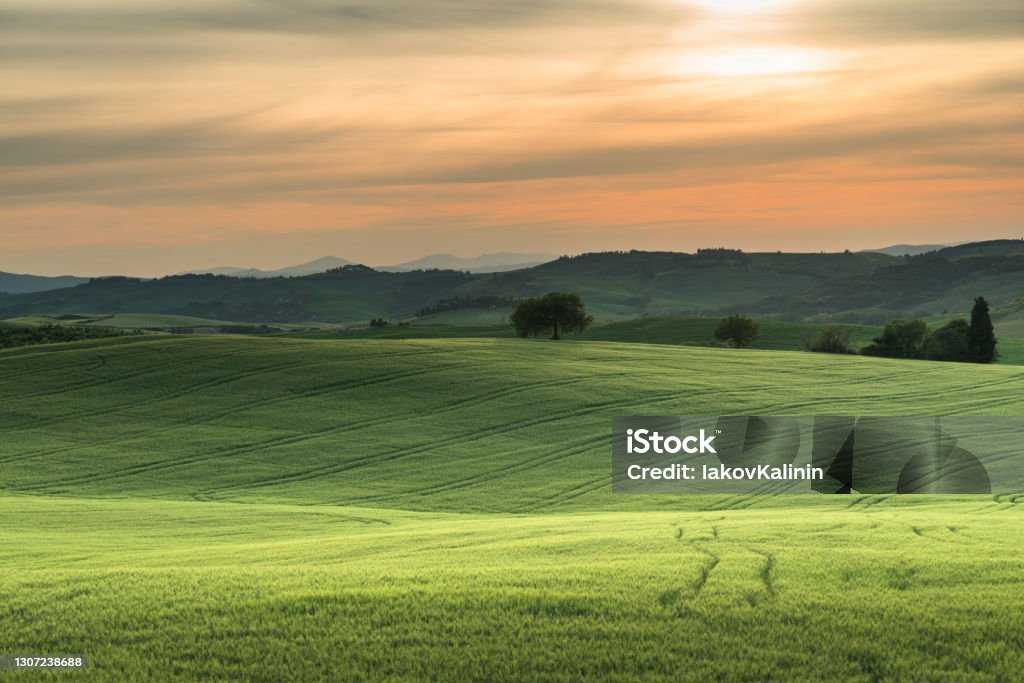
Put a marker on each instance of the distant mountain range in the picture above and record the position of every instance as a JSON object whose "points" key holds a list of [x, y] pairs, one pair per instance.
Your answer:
{"points": [[16, 283], [907, 249], [865, 287], [487, 263], [320, 265]]}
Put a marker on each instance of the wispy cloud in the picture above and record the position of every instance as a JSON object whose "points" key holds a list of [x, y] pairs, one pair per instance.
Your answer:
{"points": [[504, 115]]}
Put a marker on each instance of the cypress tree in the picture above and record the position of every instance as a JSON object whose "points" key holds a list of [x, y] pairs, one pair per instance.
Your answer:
{"points": [[981, 338]]}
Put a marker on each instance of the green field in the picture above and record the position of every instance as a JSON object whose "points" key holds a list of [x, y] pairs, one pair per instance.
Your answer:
{"points": [[290, 509], [669, 330], [144, 321]]}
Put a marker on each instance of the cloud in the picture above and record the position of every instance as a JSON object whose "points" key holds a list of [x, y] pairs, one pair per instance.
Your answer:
{"points": [[209, 161], [866, 21], [341, 18]]}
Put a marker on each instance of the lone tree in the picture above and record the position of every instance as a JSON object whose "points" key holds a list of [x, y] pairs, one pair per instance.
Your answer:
{"points": [[737, 330], [554, 313], [981, 338]]}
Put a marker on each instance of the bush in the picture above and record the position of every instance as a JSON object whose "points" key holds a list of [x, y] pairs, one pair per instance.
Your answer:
{"points": [[832, 339], [949, 342], [899, 339]]}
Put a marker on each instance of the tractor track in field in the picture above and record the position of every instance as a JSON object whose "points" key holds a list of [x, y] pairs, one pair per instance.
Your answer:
{"points": [[489, 475], [705, 570], [364, 461], [767, 572], [258, 403], [454, 405], [565, 496], [209, 417], [106, 378], [307, 436], [46, 356], [169, 396], [672, 596], [219, 381], [868, 500], [246, 448], [1001, 502]]}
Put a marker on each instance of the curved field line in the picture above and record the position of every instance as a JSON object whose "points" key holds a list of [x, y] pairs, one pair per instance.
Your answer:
{"points": [[705, 570], [177, 394], [489, 475], [564, 496], [454, 405], [460, 439], [237, 450], [93, 381]]}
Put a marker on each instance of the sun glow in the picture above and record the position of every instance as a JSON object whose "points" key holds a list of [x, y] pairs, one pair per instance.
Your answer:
{"points": [[758, 62], [740, 6]]}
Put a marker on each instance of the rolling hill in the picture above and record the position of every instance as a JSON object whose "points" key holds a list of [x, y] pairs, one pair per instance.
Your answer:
{"points": [[364, 422], [865, 287], [613, 284], [14, 283], [441, 509], [486, 263]]}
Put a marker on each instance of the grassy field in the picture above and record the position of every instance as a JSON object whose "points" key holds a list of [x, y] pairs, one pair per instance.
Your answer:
{"points": [[669, 330], [287, 509], [146, 321]]}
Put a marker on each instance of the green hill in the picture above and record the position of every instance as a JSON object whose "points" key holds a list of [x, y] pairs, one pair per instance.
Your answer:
{"points": [[419, 424], [861, 287], [919, 288], [613, 284], [288, 509]]}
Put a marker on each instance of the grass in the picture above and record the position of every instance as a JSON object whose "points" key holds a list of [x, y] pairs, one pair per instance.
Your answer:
{"points": [[669, 330], [154, 590], [452, 425], [288, 509], [148, 321]]}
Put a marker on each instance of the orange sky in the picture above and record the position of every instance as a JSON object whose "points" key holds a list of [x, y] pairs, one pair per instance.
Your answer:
{"points": [[146, 137]]}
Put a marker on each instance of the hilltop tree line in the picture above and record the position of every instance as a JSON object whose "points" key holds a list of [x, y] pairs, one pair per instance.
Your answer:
{"points": [[957, 341], [51, 334], [460, 303]]}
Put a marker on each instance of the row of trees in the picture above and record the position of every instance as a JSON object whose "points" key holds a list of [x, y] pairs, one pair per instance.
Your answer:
{"points": [[558, 313], [11, 336], [956, 341], [460, 303]]}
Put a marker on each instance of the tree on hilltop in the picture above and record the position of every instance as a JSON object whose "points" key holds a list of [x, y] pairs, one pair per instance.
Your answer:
{"points": [[554, 313], [738, 331]]}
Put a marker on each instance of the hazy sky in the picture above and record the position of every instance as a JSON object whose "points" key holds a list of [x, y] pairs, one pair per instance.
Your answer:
{"points": [[151, 136]]}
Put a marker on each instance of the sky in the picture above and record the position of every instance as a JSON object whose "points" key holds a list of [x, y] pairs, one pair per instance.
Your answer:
{"points": [[148, 136]]}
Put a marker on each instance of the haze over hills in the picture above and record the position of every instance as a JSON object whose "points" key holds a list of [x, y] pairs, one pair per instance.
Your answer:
{"points": [[906, 249], [18, 283], [319, 265], [861, 287], [487, 263]]}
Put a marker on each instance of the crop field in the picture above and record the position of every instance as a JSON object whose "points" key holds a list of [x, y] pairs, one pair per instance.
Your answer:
{"points": [[668, 330], [292, 509]]}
